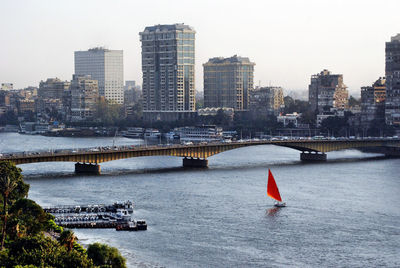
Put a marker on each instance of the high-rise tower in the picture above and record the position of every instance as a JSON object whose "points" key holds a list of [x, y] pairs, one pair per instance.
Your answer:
{"points": [[228, 82], [327, 91], [168, 57], [392, 70], [107, 67]]}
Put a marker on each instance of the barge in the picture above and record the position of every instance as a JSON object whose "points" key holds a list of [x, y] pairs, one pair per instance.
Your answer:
{"points": [[118, 216]]}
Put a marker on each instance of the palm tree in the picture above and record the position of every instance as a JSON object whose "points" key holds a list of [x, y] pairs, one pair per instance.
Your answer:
{"points": [[68, 238], [6, 187]]}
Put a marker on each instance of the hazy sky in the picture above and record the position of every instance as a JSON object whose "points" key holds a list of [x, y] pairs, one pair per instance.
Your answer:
{"points": [[288, 40]]}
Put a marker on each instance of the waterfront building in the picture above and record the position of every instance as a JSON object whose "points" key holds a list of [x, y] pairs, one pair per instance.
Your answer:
{"points": [[51, 98], [26, 106], [84, 94], [228, 82], [168, 66], [265, 101], [7, 86], [373, 102], [52, 88], [107, 67], [327, 91], [392, 70], [4, 98], [289, 119]]}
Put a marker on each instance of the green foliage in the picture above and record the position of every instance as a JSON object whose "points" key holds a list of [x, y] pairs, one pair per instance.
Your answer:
{"points": [[354, 102], [12, 188], [27, 218], [67, 238], [8, 169], [27, 246], [78, 247], [42, 252], [105, 256], [293, 105], [9, 118], [52, 226], [108, 113], [245, 126], [335, 125]]}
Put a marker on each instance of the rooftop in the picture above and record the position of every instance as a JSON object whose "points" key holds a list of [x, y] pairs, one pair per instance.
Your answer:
{"points": [[168, 27], [395, 38], [233, 59]]}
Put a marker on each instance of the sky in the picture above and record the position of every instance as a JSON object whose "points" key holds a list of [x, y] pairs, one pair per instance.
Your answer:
{"points": [[289, 40]]}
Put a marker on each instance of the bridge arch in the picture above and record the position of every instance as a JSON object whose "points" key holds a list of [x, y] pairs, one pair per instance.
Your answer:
{"points": [[310, 150]]}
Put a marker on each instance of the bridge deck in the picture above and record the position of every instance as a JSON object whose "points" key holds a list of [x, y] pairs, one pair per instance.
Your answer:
{"points": [[99, 155]]}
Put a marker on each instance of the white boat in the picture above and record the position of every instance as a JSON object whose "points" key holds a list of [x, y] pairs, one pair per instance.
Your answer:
{"points": [[151, 133], [134, 133], [205, 133]]}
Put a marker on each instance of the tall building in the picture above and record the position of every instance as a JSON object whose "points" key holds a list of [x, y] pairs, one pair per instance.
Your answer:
{"points": [[84, 93], [266, 101], [107, 67], [168, 57], [392, 103], [373, 102], [52, 88], [228, 82], [132, 93], [327, 91]]}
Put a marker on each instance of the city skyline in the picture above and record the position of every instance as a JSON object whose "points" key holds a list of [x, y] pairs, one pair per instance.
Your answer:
{"points": [[288, 41]]}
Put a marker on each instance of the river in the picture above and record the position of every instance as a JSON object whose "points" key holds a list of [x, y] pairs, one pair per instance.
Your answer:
{"points": [[341, 213]]}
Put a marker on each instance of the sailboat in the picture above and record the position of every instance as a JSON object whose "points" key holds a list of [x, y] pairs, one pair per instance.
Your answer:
{"points": [[273, 191]]}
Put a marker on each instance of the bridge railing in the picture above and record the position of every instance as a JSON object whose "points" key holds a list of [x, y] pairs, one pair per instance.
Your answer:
{"points": [[53, 152]]}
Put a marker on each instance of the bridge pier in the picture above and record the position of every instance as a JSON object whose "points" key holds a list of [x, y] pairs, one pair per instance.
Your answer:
{"points": [[310, 156], [83, 168], [195, 162]]}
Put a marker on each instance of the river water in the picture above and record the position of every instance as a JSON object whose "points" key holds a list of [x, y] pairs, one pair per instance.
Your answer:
{"points": [[342, 213]]}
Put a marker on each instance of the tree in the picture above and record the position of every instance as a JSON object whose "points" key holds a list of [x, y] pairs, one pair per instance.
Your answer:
{"points": [[12, 188], [67, 238], [27, 218], [42, 251], [335, 125], [354, 102], [105, 255], [108, 113]]}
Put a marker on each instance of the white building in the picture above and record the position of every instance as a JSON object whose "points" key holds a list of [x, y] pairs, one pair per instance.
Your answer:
{"points": [[106, 66], [7, 86], [289, 118]]}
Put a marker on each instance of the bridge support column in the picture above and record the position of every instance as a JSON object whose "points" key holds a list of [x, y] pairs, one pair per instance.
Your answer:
{"points": [[195, 162], [309, 156], [83, 168]]}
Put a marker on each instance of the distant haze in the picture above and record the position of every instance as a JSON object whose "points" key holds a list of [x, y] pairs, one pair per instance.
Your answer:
{"points": [[288, 40]]}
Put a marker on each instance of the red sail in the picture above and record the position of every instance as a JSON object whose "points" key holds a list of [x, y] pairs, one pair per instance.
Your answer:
{"points": [[272, 188]]}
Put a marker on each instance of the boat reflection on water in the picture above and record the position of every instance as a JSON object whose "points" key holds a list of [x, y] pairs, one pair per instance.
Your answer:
{"points": [[272, 212]]}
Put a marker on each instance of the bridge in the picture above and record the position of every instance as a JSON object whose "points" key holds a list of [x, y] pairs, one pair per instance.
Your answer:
{"points": [[195, 155]]}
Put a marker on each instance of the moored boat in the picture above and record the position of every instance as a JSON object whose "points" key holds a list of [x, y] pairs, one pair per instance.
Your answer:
{"points": [[139, 225]]}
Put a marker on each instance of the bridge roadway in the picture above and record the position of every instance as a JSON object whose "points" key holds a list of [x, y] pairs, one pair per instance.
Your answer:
{"points": [[195, 155]]}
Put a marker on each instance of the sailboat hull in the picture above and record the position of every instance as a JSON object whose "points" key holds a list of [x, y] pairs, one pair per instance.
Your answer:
{"points": [[280, 205]]}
